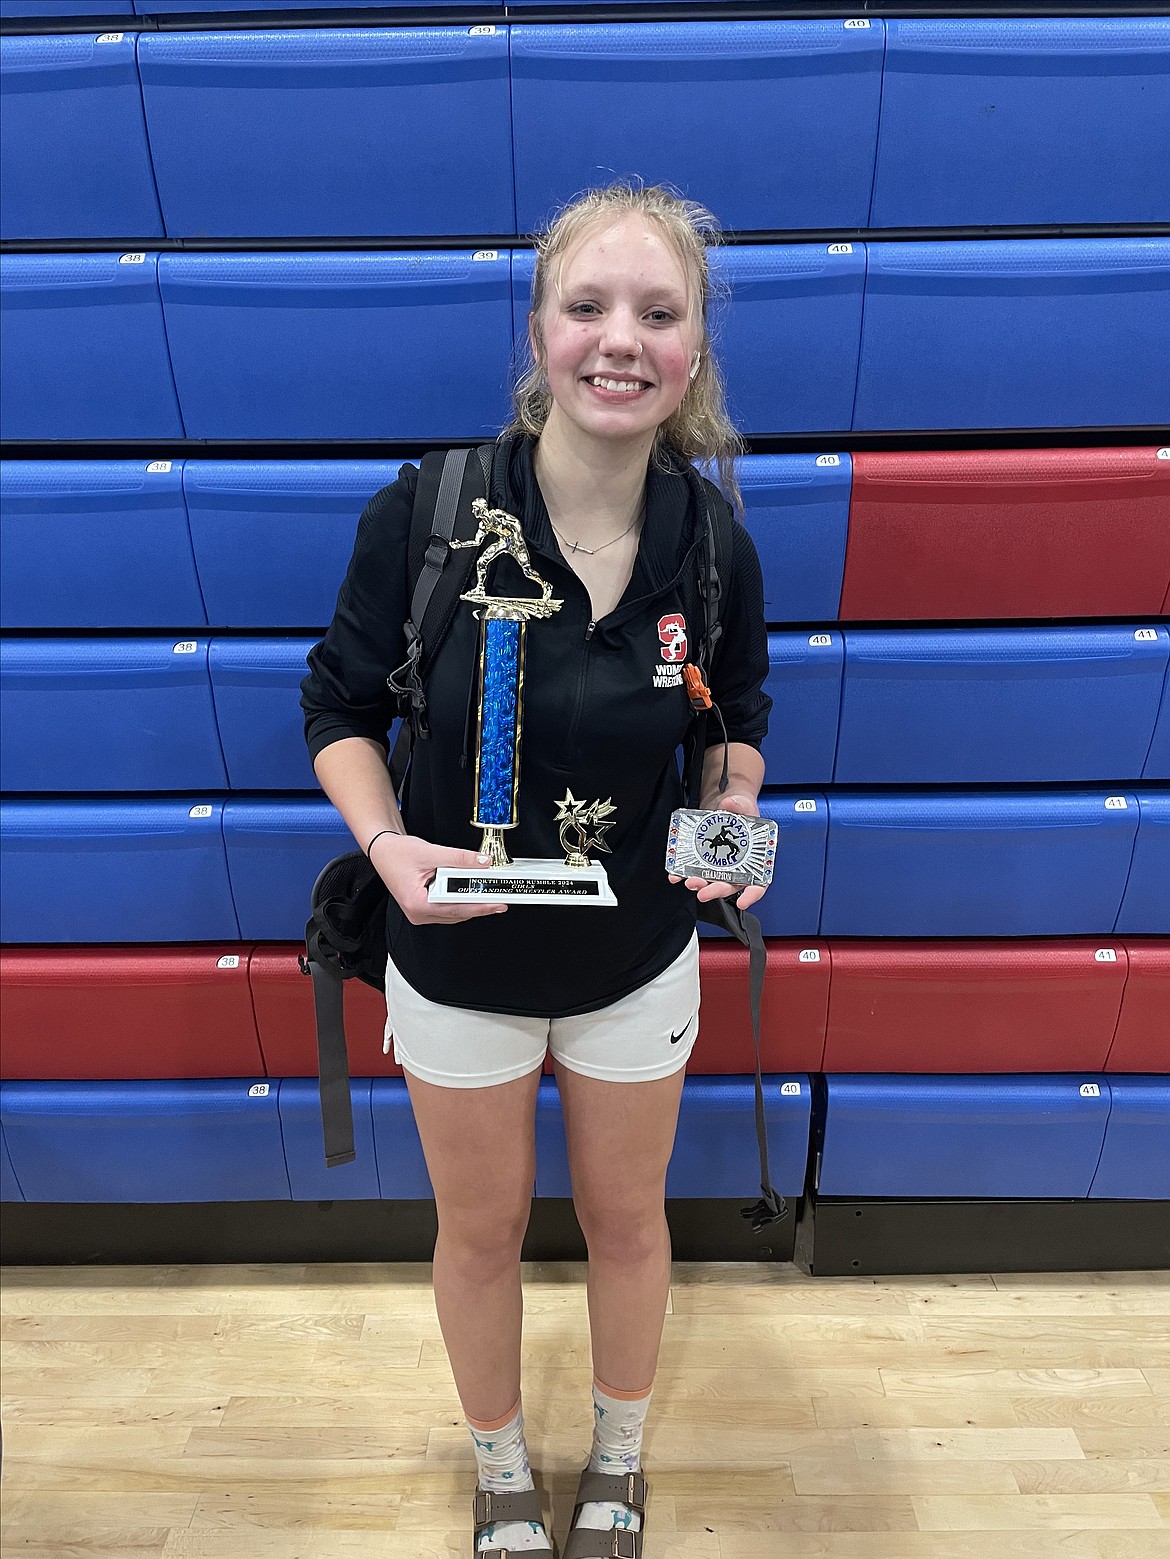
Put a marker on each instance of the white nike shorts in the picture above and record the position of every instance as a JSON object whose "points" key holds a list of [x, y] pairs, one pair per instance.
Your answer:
{"points": [[646, 1035]]}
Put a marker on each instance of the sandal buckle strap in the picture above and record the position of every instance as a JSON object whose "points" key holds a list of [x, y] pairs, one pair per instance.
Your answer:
{"points": [[482, 1514], [620, 1550], [636, 1492]]}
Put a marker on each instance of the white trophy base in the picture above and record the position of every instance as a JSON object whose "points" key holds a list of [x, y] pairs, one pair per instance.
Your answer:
{"points": [[523, 882]]}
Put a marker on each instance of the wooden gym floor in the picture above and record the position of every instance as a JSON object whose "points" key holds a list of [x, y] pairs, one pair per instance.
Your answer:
{"points": [[308, 1413]]}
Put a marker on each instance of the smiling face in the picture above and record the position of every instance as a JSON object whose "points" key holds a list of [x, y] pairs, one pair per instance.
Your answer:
{"points": [[617, 333]]}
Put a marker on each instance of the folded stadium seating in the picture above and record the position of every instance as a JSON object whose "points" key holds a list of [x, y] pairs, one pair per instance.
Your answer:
{"points": [[351, 345], [962, 1136], [402, 1169], [1015, 333], [1135, 1158], [282, 997], [114, 871], [1142, 1040], [927, 706], [273, 538], [973, 1006], [771, 124], [804, 683], [991, 863], [146, 1141], [83, 351], [275, 851], [9, 1185], [304, 1148], [107, 714], [715, 1152], [74, 162], [792, 1011], [792, 905], [1023, 120], [256, 685], [51, 8], [338, 132], [1157, 765], [128, 1012], [1008, 533], [1146, 906], [797, 510], [117, 533]]}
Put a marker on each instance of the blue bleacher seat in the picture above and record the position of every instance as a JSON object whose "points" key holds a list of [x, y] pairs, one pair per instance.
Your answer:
{"points": [[184, 7], [257, 688], [1146, 906], [797, 510], [204, 1141], [1157, 765], [114, 871], [992, 863], [715, 1152], [402, 1168], [1034, 333], [9, 1185], [804, 682], [1135, 1161], [330, 132], [1024, 120], [345, 345], [928, 706], [304, 1146], [771, 124], [788, 341], [107, 714], [273, 538], [116, 531], [792, 905], [83, 352], [275, 851], [62, 8], [995, 1136], [74, 162]]}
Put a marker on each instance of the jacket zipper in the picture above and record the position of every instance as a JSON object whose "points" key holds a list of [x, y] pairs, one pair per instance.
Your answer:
{"points": [[579, 700]]}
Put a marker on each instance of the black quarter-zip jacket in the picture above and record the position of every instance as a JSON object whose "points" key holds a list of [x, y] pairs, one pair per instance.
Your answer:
{"points": [[604, 714]]}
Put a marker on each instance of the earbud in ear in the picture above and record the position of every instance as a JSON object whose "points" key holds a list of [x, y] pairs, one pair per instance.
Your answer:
{"points": [[695, 364]]}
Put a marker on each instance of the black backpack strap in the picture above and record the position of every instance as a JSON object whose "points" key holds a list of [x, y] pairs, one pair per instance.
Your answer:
{"points": [[332, 1064], [745, 927], [447, 483]]}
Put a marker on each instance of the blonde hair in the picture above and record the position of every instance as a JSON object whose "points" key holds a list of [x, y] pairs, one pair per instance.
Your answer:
{"points": [[699, 429]]}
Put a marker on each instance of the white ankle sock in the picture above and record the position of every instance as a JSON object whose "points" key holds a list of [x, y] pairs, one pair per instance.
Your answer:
{"points": [[618, 1425], [501, 1459]]}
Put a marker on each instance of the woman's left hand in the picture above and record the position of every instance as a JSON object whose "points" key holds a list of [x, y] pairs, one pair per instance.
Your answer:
{"points": [[747, 806]]}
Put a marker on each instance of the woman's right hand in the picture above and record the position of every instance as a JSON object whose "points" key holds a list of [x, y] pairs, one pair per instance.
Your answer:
{"points": [[407, 864]]}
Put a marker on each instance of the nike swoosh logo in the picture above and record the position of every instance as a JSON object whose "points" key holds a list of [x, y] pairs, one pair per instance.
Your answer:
{"points": [[674, 1038]]}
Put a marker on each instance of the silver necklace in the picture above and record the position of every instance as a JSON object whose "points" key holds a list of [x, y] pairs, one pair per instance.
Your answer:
{"points": [[590, 551]]}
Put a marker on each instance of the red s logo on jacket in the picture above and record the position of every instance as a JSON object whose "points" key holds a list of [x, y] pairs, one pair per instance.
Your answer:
{"points": [[672, 631]]}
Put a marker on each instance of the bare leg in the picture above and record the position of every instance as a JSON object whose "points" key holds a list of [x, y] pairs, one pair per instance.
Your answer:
{"points": [[480, 1150]]}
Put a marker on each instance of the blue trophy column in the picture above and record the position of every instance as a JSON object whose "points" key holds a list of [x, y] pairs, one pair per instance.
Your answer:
{"points": [[501, 682]]}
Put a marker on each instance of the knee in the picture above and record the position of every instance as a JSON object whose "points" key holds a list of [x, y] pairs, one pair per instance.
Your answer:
{"points": [[484, 1244], [624, 1233]]}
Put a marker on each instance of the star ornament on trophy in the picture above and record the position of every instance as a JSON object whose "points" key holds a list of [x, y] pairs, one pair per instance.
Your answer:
{"points": [[503, 624]]}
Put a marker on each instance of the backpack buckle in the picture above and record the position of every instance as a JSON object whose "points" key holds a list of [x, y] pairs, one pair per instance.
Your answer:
{"points": [[698, 692], [438, 550]]}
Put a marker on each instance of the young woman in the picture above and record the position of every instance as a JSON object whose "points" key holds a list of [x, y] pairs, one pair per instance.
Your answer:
{"points": [[621, 395]]}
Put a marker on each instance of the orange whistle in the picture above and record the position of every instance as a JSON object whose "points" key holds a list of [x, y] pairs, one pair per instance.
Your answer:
{"points": [[697, 690]]}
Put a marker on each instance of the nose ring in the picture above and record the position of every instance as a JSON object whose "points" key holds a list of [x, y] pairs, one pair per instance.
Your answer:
{"points": [[638, 353]]}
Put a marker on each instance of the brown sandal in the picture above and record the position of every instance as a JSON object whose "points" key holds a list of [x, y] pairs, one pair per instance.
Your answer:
{"points": [[488, 1507], [625, 1488]]}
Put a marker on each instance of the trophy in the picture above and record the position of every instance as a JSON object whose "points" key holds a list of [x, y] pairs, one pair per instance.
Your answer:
{"points": [[503, 630]]}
